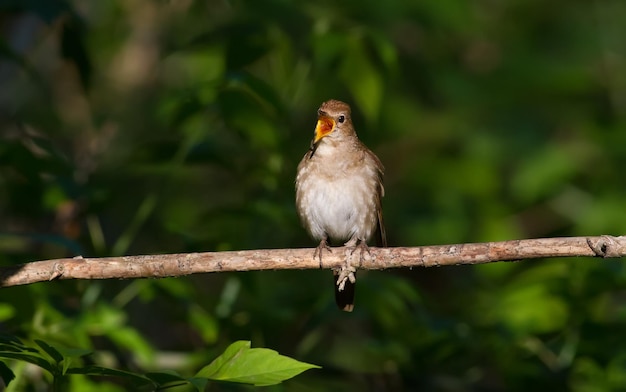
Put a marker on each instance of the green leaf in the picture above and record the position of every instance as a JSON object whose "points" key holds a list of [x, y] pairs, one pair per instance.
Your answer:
{"points": [[6, 374], [256, 366], [102, 371], [10, 339], [199, 382], [73, 352], [14, 344], [35, 359], [165, 377], [51, 351], [14, 349]]}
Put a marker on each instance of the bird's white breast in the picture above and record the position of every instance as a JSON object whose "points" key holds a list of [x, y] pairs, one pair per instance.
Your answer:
{"points": [[338, 201]]}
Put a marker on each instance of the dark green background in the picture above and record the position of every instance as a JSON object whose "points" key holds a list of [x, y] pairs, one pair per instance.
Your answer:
{"points": [[144, 127]]}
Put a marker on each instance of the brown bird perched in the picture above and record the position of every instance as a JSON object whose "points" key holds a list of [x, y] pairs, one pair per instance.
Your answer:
{"points": [[338, 192]]}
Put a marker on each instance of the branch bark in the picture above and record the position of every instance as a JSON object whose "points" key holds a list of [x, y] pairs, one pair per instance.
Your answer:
{"points": [[168, 265]]}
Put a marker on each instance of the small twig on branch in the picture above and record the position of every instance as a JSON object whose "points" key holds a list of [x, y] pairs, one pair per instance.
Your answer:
{"points": [[168, 265]]}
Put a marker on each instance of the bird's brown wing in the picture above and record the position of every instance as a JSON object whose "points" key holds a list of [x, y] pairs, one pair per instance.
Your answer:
{"points": [[381, 235]]}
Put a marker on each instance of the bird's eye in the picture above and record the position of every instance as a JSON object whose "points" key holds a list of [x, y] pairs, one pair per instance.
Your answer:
{"points": [[341, 118]]}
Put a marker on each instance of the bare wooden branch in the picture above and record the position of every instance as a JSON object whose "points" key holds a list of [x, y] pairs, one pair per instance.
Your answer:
{"points": [[167, 265]]}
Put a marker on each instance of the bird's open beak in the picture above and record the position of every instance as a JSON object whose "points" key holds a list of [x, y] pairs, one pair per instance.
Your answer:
{"points": [[325, 125]]}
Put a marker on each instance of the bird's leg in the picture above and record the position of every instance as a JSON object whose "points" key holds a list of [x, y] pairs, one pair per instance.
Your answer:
{"points": [[362, 245], [318, 250], [347, 271]]}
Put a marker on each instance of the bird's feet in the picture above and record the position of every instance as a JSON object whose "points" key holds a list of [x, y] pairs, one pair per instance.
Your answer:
{"points": [[347, 271], [355, 244], [318, 250], [363, 248]]}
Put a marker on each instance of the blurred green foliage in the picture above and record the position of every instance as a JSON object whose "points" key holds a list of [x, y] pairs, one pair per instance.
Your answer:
{"points": [[141, 127]]}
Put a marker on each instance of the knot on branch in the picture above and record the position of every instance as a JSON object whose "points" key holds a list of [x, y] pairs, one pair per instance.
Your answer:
{"points": [[57, 271], [606, 246]]}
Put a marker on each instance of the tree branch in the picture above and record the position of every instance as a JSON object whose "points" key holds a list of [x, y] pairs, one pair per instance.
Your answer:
{"points": [[167, 265]]}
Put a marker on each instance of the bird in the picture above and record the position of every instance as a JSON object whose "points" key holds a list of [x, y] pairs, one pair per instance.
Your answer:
{"points": [[339, 190]]}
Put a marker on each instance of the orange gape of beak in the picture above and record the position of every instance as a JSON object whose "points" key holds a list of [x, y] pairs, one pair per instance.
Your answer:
{"points": [[325, 125]]}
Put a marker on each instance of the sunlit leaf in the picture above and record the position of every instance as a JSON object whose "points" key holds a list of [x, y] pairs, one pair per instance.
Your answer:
{"points": [[256, 366]]}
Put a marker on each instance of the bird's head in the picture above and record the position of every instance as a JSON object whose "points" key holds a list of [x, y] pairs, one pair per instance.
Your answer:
{"points": [[333, 120]]}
